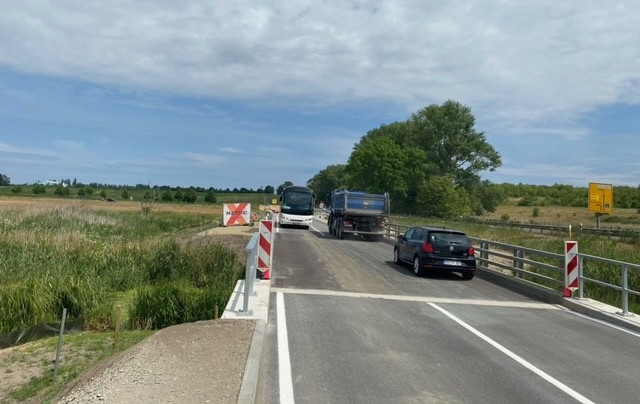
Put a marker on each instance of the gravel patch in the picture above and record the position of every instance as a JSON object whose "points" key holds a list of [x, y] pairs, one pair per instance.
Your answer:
{"points": [[200, 362]]}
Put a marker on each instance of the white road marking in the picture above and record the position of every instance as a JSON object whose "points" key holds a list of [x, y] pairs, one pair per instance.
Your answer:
{"points": [[316, 230], [420, 299], [284, 361], [579, 397], [616, 327]]}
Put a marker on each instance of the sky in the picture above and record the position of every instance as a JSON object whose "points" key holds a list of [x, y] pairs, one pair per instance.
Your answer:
{"points": [[250, 93]]}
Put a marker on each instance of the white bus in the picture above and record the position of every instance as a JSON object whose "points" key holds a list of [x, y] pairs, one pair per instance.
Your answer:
{"points": [[296, 206]]}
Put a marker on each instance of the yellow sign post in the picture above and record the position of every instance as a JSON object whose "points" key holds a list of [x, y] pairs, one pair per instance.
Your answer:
{"points": [[600, 200]]}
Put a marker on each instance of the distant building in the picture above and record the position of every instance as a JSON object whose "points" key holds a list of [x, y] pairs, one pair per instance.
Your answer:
{"points": [[54, 183]]}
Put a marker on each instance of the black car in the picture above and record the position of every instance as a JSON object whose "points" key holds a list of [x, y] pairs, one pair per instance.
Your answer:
{"points": [[429, 248]]}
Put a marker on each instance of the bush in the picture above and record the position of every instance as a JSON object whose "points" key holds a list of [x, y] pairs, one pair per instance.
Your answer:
{"points": [[190, 196], [505, 217], [62, 191], [166, 196], [535, 212], [39, 190], [210, 197], [170, 303]]}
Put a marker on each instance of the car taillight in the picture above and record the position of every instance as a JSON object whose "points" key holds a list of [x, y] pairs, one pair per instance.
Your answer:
{"points": [[472, 251], [427, 247]]}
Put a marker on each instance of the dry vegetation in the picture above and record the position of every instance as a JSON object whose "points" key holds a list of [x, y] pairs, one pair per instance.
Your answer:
{"points": [[564, 216]]}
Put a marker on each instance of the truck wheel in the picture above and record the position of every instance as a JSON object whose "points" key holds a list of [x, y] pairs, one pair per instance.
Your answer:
{"points": [[339, 231]]}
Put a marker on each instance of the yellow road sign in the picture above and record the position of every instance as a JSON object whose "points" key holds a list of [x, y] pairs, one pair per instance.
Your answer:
{"points": [[600, 198]]}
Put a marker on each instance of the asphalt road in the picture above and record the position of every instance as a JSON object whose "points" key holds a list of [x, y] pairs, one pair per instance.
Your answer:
{"points": [[346, 325]]}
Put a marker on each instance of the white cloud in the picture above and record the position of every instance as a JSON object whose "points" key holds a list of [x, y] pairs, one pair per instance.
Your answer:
{"points": [[26, 152], [232, 150], [527, 69], [525, 59], [204, 160]]}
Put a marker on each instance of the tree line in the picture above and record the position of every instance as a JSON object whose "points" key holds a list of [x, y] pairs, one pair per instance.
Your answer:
{"points": [[430, 165]]}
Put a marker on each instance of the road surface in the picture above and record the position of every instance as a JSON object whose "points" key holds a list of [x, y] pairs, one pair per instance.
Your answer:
{"points": [[346, 325]]}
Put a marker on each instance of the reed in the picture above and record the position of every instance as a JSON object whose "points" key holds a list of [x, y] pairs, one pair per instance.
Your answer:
{"points": [[86, 260]]}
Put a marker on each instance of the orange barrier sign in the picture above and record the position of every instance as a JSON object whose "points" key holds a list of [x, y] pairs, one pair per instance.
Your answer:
{"points": [[236, 214]]}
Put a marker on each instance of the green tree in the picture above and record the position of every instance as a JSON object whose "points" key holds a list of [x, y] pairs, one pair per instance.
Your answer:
{"points": [[447, 134], [4, 180], [379, 164], [283, 186], [485, 197], [438, 197], [16, 189], [39, 189], [62, 191], [269, 189], [210, 197], [125, 195], [103, 194], [166, 196], [332, 177], [178, 195], [190, 196]]}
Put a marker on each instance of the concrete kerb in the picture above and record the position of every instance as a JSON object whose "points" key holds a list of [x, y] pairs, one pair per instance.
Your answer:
{"points": [[259, 311], [249, 385], [587, 307]]}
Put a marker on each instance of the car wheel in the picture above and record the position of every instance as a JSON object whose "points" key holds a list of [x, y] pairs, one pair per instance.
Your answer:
{"points": [[417, 266], [467, 275], [396, 257]]}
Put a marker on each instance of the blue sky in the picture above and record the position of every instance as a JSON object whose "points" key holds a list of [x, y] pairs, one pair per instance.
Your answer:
{"points": [[253, 93]]}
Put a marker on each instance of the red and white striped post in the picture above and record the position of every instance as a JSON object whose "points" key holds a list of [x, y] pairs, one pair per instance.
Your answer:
{"points": [[571, 275], [265, 248]]}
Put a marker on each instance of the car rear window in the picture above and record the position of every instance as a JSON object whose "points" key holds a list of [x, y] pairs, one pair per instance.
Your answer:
{"points": [[448, 238]]}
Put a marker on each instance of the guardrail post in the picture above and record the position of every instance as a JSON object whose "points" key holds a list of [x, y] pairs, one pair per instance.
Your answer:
{"points": [[580, 276], [518, 254], [625, 290], [484, 254], [250, 273]]}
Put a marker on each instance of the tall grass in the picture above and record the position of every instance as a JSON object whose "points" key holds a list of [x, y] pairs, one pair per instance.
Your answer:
{"points": [[86, 261]]}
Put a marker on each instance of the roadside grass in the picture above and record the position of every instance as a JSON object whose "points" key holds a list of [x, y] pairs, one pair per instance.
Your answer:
{"points": [[92, 258], [80, 352], [84, 260], [136, 195]]}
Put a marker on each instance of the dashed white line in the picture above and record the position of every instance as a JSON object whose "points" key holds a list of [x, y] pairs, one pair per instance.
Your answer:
{"points": [[284, 361], [579, 397]]}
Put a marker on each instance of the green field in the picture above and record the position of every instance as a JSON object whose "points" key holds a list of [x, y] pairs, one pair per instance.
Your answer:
{"points": [[90, 258]]}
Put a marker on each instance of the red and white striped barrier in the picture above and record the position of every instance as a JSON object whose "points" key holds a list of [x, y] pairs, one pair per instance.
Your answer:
{"points": [[265, 248], [571, 275]]}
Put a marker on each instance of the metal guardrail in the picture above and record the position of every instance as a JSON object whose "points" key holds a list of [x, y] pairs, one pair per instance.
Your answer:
{"points": [[552, 229], [546, 268], [250, 273]]}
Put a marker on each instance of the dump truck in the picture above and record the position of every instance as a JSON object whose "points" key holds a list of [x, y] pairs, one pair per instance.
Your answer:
{"points": [[358, 213]]}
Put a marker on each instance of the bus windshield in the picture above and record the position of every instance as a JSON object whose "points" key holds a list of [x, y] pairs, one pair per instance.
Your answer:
{"points": [[297, 203]]}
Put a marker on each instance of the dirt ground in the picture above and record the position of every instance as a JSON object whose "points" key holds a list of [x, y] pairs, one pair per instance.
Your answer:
{"points": [[196, 362], [200, 362]]}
